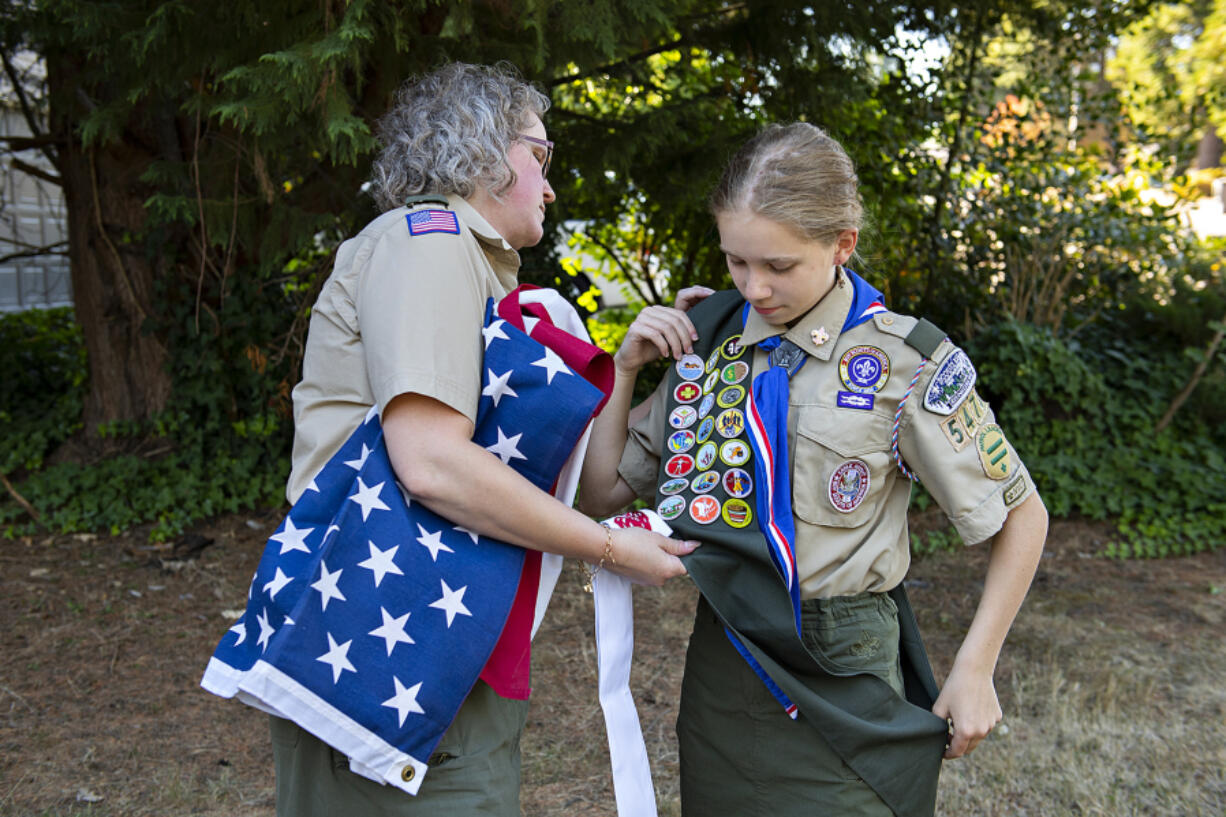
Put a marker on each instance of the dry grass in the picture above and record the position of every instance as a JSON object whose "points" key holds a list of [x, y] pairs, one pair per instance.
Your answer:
{"points": [[1111, 684]]}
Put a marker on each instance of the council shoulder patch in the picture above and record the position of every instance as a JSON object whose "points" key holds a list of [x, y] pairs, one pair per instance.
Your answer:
{"points": [[422, 222], [952, 382], [994, 453]]}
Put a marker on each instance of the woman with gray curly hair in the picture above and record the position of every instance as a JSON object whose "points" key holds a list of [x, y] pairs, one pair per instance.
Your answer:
{"points": [[398, 326]]}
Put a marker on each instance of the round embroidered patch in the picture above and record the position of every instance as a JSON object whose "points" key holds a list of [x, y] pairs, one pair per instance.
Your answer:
{"points": [[679, 465], [674, 486], [705, 428], [708, 385], [683, 417], [738, 483], [849, 486], [734, 453], [993, 451], [864, 369], [734, 372], [671, 508], [704, 482], [737, 513], [732, 348], [680, 441], [730, 396], [705, 456], [687, 392], [690, 367], [704, 408], [730, 423], [951, 384], [704, 509], [712, 361]]}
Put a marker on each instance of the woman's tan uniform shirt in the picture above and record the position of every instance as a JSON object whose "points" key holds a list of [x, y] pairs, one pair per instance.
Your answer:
{"points": [[400, 313], [867, 548]]}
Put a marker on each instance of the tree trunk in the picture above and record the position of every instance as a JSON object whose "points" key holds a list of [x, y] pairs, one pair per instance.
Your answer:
{"points": [[112, 277], [1208, 150]]}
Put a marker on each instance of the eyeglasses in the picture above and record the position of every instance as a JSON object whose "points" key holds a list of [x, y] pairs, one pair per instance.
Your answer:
{"points": [[545, 143]]}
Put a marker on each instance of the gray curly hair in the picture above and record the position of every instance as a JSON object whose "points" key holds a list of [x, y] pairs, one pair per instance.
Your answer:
{"points": [[450, 131], [797, 176]]}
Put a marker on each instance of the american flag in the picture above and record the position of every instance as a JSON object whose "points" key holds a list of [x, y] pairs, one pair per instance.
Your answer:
{"points": [[370, 617], [433, 221]]}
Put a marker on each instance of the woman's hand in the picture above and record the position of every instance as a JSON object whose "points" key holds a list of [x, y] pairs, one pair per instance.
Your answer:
{"points": [[968, 701], [646, 557], [660, 331]]}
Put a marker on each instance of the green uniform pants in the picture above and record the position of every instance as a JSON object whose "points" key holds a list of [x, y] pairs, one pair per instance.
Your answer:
{"points": [[741, 754], [473, 771]]}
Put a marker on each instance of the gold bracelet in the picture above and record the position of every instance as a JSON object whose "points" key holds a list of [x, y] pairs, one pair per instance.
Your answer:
{"points": [[607, 556]]}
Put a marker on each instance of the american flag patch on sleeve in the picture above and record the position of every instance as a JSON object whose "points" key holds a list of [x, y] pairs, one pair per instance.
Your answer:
{"points": [[422, 222]]}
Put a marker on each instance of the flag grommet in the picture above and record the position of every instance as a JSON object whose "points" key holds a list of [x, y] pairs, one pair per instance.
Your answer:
{"points": [[408, 773]]}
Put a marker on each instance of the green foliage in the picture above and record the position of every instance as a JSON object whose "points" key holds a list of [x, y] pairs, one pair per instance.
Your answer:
{"points": [[43, 361]]}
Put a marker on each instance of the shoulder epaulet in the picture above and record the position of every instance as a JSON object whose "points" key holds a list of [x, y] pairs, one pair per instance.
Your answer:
{"points": [[925, 337], [427, 198]]}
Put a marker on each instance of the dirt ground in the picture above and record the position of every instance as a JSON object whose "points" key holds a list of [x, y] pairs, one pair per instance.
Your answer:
{"points": [[105, 638]]}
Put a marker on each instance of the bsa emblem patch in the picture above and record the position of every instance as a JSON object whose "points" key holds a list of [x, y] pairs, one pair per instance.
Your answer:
{"points": [[864, 369], [683, 417], [730, 396], [730, 424], [422, 222], [737, 513], [704, 482], [951, 384], [671, 508], [732, 348], [734, 373], [849, 486], [679, 465], [704, 509], [993, 451], [705, 429], [690, 367], [852, 400], [734, 453], [687, 392], [705, 457], [737, 483], [1014, 491], [674, 486], [681, 441]]}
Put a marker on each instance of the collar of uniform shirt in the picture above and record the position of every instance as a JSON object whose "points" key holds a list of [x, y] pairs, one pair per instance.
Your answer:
{"points": [[829, 313]]}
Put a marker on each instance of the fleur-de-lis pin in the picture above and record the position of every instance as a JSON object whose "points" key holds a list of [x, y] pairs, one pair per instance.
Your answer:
{"points": [[819, 336]]}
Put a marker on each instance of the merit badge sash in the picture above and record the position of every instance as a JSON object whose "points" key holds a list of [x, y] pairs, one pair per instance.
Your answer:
{"points": [[711, 488], [370, 617]]}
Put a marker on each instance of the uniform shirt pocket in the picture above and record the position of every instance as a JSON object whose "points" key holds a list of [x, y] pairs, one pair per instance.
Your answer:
{"points": [[839, 466]]}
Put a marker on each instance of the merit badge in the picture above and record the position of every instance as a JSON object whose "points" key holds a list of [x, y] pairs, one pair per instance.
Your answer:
{"points": [[956, 432], [674, 486], [680, 441], [993, 451], [704, 408], [704, 509], [422, 222], [734, 453], [819, 336], [732, 348], [854, 400], [690, 367], [730, 396], [705, 456], [951, 384], [704, 482], [737, 513], [708, 385], [730, 423], [679, 465], [734, 372], [1014, 491], [687, 392], [671, 508], [737, 483], [864, 369], [683, 417], [705, 429], [849, 486], [712, 361]]}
